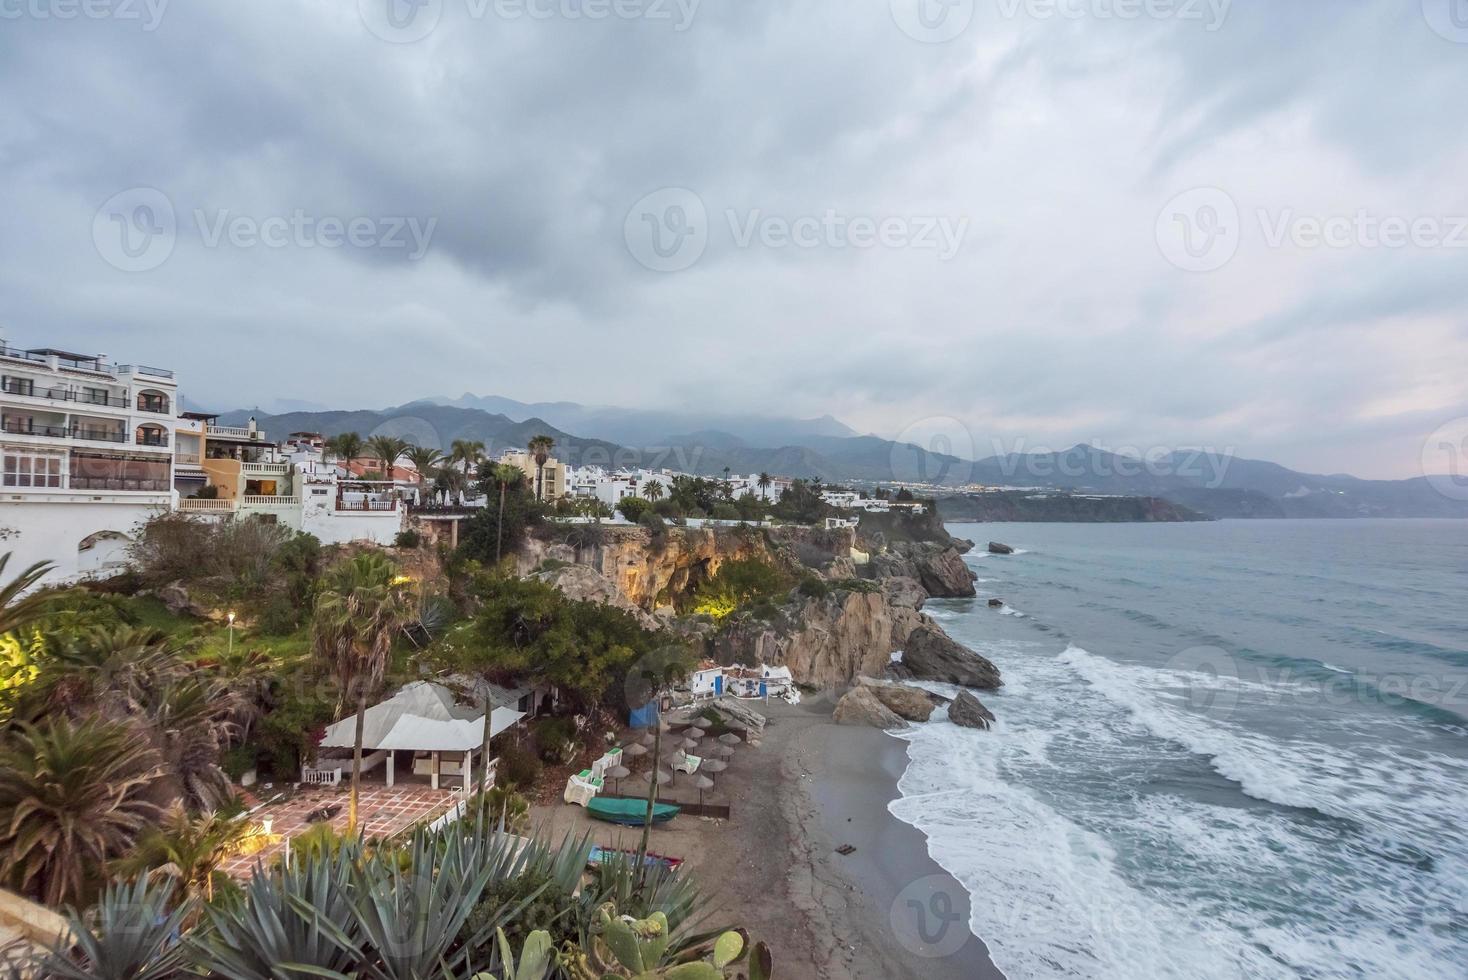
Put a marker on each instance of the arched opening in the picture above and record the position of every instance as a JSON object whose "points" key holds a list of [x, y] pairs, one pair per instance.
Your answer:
{"points": [[151, 435], [152, 400], [102, 552]]}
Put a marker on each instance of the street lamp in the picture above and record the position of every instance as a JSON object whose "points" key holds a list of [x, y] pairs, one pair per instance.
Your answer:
{"points": [[231, 633]]}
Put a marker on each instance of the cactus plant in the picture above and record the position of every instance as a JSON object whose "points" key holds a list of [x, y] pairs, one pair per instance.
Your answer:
{"points": [[637, 949], [535, 958]]}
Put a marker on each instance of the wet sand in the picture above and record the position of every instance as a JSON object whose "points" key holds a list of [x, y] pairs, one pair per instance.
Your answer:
{"points": [[884, 912]]}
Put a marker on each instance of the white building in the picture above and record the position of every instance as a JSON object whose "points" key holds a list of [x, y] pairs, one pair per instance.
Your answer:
{"points": [[88, 456]]}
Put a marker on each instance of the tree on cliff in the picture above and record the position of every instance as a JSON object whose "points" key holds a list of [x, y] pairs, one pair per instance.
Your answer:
{"points": [[498, 531], [540, 448], [528, 631], [764, 485]]}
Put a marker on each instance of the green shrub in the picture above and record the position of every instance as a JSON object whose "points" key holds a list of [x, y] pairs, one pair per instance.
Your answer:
{"points": [[556, 738], [237, 761], [518, 768], [857, 585], [726, 512], [633, 508], [814, 587], [408, 539], [502, 802], [547, 910]]}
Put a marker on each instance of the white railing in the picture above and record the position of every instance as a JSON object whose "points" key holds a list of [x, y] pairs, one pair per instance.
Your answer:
{"points": [[212, 506], [187, 459], [321, 777], [259, 500], [229, 430], [281, 468]]}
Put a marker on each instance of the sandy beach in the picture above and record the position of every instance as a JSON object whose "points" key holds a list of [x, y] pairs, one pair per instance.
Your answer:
{"points": [[885, 910]]}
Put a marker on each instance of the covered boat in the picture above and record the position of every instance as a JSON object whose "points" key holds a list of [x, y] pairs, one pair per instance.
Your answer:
{"points": [[630, 813]]}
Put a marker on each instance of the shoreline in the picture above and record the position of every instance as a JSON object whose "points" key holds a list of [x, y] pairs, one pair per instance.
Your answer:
{"points": [[810, 787], [889, 909]]}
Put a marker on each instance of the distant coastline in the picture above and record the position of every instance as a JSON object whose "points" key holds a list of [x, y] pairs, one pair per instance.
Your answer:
{"points": [[1057, 507]]}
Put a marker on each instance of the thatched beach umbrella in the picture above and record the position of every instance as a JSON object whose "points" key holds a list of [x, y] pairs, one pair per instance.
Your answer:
{"points": [[703, 783], [634, 750], [663, 777], [647, 738], [693, 731], [616, 774], [688, 744], [730, 739], [714, 765], [722, 751]]}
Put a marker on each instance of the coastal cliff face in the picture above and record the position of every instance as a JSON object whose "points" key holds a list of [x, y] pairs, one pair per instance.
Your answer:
{"points": [[939, 570], [826, 642], [651, 572]]}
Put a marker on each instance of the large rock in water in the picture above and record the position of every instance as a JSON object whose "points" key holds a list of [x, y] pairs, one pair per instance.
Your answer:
{"points": [[931, 655], [944, 575], [907, 703], [995, 548], [969, 712], [861, 706]]}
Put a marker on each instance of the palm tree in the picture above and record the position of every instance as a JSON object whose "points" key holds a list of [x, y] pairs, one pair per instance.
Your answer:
{"points": [[387, 449], [540, 448], [191, 724], [73, 796], [15, 611], [358, 614], [466, 453], [653, 490], [425, 461], [190, 850], [764, 482], [345, 447], [506, 476]]}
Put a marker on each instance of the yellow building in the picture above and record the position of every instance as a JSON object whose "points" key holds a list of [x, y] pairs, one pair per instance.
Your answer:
{"points": [[554, 474]]}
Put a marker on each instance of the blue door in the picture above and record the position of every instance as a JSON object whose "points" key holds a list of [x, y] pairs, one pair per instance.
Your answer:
{"points": [[719, 685], [764, 690]]}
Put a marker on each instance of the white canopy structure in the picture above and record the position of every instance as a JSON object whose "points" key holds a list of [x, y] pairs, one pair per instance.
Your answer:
{"points": [[422, 718]]}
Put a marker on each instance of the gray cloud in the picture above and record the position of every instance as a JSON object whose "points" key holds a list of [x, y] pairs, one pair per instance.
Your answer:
{"points": [[1058, 140]]}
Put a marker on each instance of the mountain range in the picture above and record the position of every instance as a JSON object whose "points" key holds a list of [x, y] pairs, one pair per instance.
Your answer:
{"points": [[1216, 485]]}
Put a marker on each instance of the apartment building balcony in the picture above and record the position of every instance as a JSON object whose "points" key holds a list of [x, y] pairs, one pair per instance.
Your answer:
{"points": [[182, 458], [266, 469], [60, 430], [366, 506], [25, 388], [198, 505], [231, 432], [120, 483], [155, 438]]}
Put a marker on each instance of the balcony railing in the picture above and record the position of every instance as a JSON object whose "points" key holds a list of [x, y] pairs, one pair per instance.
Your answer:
{"points": [[279, 469], [156, 439], [262, 500], [367, 506], [22, 427], [23, 388], [144, 369], [187, 459], [200, 505], [23, 355], [235, 431], [156, 406], [120, 483], [102, 435]]}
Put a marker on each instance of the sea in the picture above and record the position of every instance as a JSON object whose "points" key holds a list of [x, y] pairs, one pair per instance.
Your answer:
{"points": [[1232, 749]]}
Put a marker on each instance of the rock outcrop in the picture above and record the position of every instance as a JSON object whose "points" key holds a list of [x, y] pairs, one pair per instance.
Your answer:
{"points": [[861, 706], [939, 569], [826, 642], [907, 703], [585, 584], [995, 548], [969, 712], [178, 601], [931, 655], [905, 592]]}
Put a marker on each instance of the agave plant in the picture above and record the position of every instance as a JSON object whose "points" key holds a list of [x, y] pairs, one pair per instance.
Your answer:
{"points": [[130, 935], [536, 957], [73, 796], [16, 608], [641, 949]]}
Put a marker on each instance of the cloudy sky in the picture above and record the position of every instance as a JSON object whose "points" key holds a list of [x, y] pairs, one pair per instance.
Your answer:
{"points": [[1143, 223]]}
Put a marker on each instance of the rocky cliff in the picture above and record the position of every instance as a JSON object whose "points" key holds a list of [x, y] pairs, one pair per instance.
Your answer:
{"points": [[826, 642]]}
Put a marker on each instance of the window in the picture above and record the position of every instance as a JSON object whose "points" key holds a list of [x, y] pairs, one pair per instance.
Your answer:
{"points": [[18, 386], [30, 470]]}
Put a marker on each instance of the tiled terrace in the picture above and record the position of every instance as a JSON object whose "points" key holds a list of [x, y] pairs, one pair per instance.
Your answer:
{"points": [[385, 811]]}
